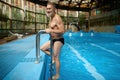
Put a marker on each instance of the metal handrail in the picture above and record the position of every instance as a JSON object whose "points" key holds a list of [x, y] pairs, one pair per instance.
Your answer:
{"points": [[38, 50], [38, 46], [51, 51]]}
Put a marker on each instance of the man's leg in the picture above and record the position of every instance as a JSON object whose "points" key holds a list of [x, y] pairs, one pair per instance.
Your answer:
{"points": [[56, 48], [45, 48]]}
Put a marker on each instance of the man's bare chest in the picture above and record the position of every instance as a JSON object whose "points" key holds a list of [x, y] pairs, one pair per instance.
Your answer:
{"points": [[53, 25]]}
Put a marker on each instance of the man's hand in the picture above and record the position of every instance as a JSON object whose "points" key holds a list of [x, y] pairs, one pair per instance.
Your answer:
{"points": [[48, 30]]}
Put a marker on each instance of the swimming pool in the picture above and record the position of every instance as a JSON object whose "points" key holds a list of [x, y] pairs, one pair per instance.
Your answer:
{"points": [[90, 56], [85, 56]]}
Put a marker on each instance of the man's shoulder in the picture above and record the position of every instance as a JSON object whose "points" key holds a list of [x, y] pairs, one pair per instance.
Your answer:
{"points": [[57, 17]]}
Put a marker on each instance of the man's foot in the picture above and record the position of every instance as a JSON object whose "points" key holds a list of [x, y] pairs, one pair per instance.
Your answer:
{"points": [[56, 77], [53, 61]]}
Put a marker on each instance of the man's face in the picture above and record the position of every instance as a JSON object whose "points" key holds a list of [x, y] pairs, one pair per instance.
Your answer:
{"points": [[50, 10]]}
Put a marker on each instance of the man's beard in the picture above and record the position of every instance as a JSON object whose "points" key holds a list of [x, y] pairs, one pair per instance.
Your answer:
{"points": [[50, 14]]}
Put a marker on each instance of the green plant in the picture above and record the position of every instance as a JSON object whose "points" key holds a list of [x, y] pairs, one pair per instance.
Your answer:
{"points": [[81, 19], [0, 12], [16, 14], [3, 17]]}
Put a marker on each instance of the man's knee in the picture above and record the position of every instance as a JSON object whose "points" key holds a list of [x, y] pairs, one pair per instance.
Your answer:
{"points": [[56, 57], [42, 49]]}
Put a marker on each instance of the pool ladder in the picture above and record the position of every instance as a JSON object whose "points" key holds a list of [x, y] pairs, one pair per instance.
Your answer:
{"points": [[38, 46], [38, 50]]}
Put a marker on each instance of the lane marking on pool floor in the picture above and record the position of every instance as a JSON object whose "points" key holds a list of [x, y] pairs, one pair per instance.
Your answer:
{"points": [[103, 48], [90, 68]]}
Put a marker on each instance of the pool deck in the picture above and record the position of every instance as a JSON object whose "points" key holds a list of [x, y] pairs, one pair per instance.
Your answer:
{"points": [[26, 69], [17, 64]]}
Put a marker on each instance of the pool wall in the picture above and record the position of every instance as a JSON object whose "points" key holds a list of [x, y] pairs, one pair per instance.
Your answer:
{"points": [[43, 72]]}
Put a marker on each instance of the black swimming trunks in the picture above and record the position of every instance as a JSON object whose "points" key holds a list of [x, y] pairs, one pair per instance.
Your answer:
{"points": [[61, 40]]}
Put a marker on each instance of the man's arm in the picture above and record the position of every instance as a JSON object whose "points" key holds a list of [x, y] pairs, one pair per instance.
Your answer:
{"points": [[59, 24]]}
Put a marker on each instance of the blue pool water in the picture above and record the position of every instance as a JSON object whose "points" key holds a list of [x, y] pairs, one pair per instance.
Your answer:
{"points": [[85, 56], [89, 56]]}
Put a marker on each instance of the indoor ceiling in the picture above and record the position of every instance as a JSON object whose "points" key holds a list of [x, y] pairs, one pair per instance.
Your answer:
{"points": [[81, 5]]}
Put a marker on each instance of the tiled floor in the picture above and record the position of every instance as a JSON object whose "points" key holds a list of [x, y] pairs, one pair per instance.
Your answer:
{"points": [[17, 60]]}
